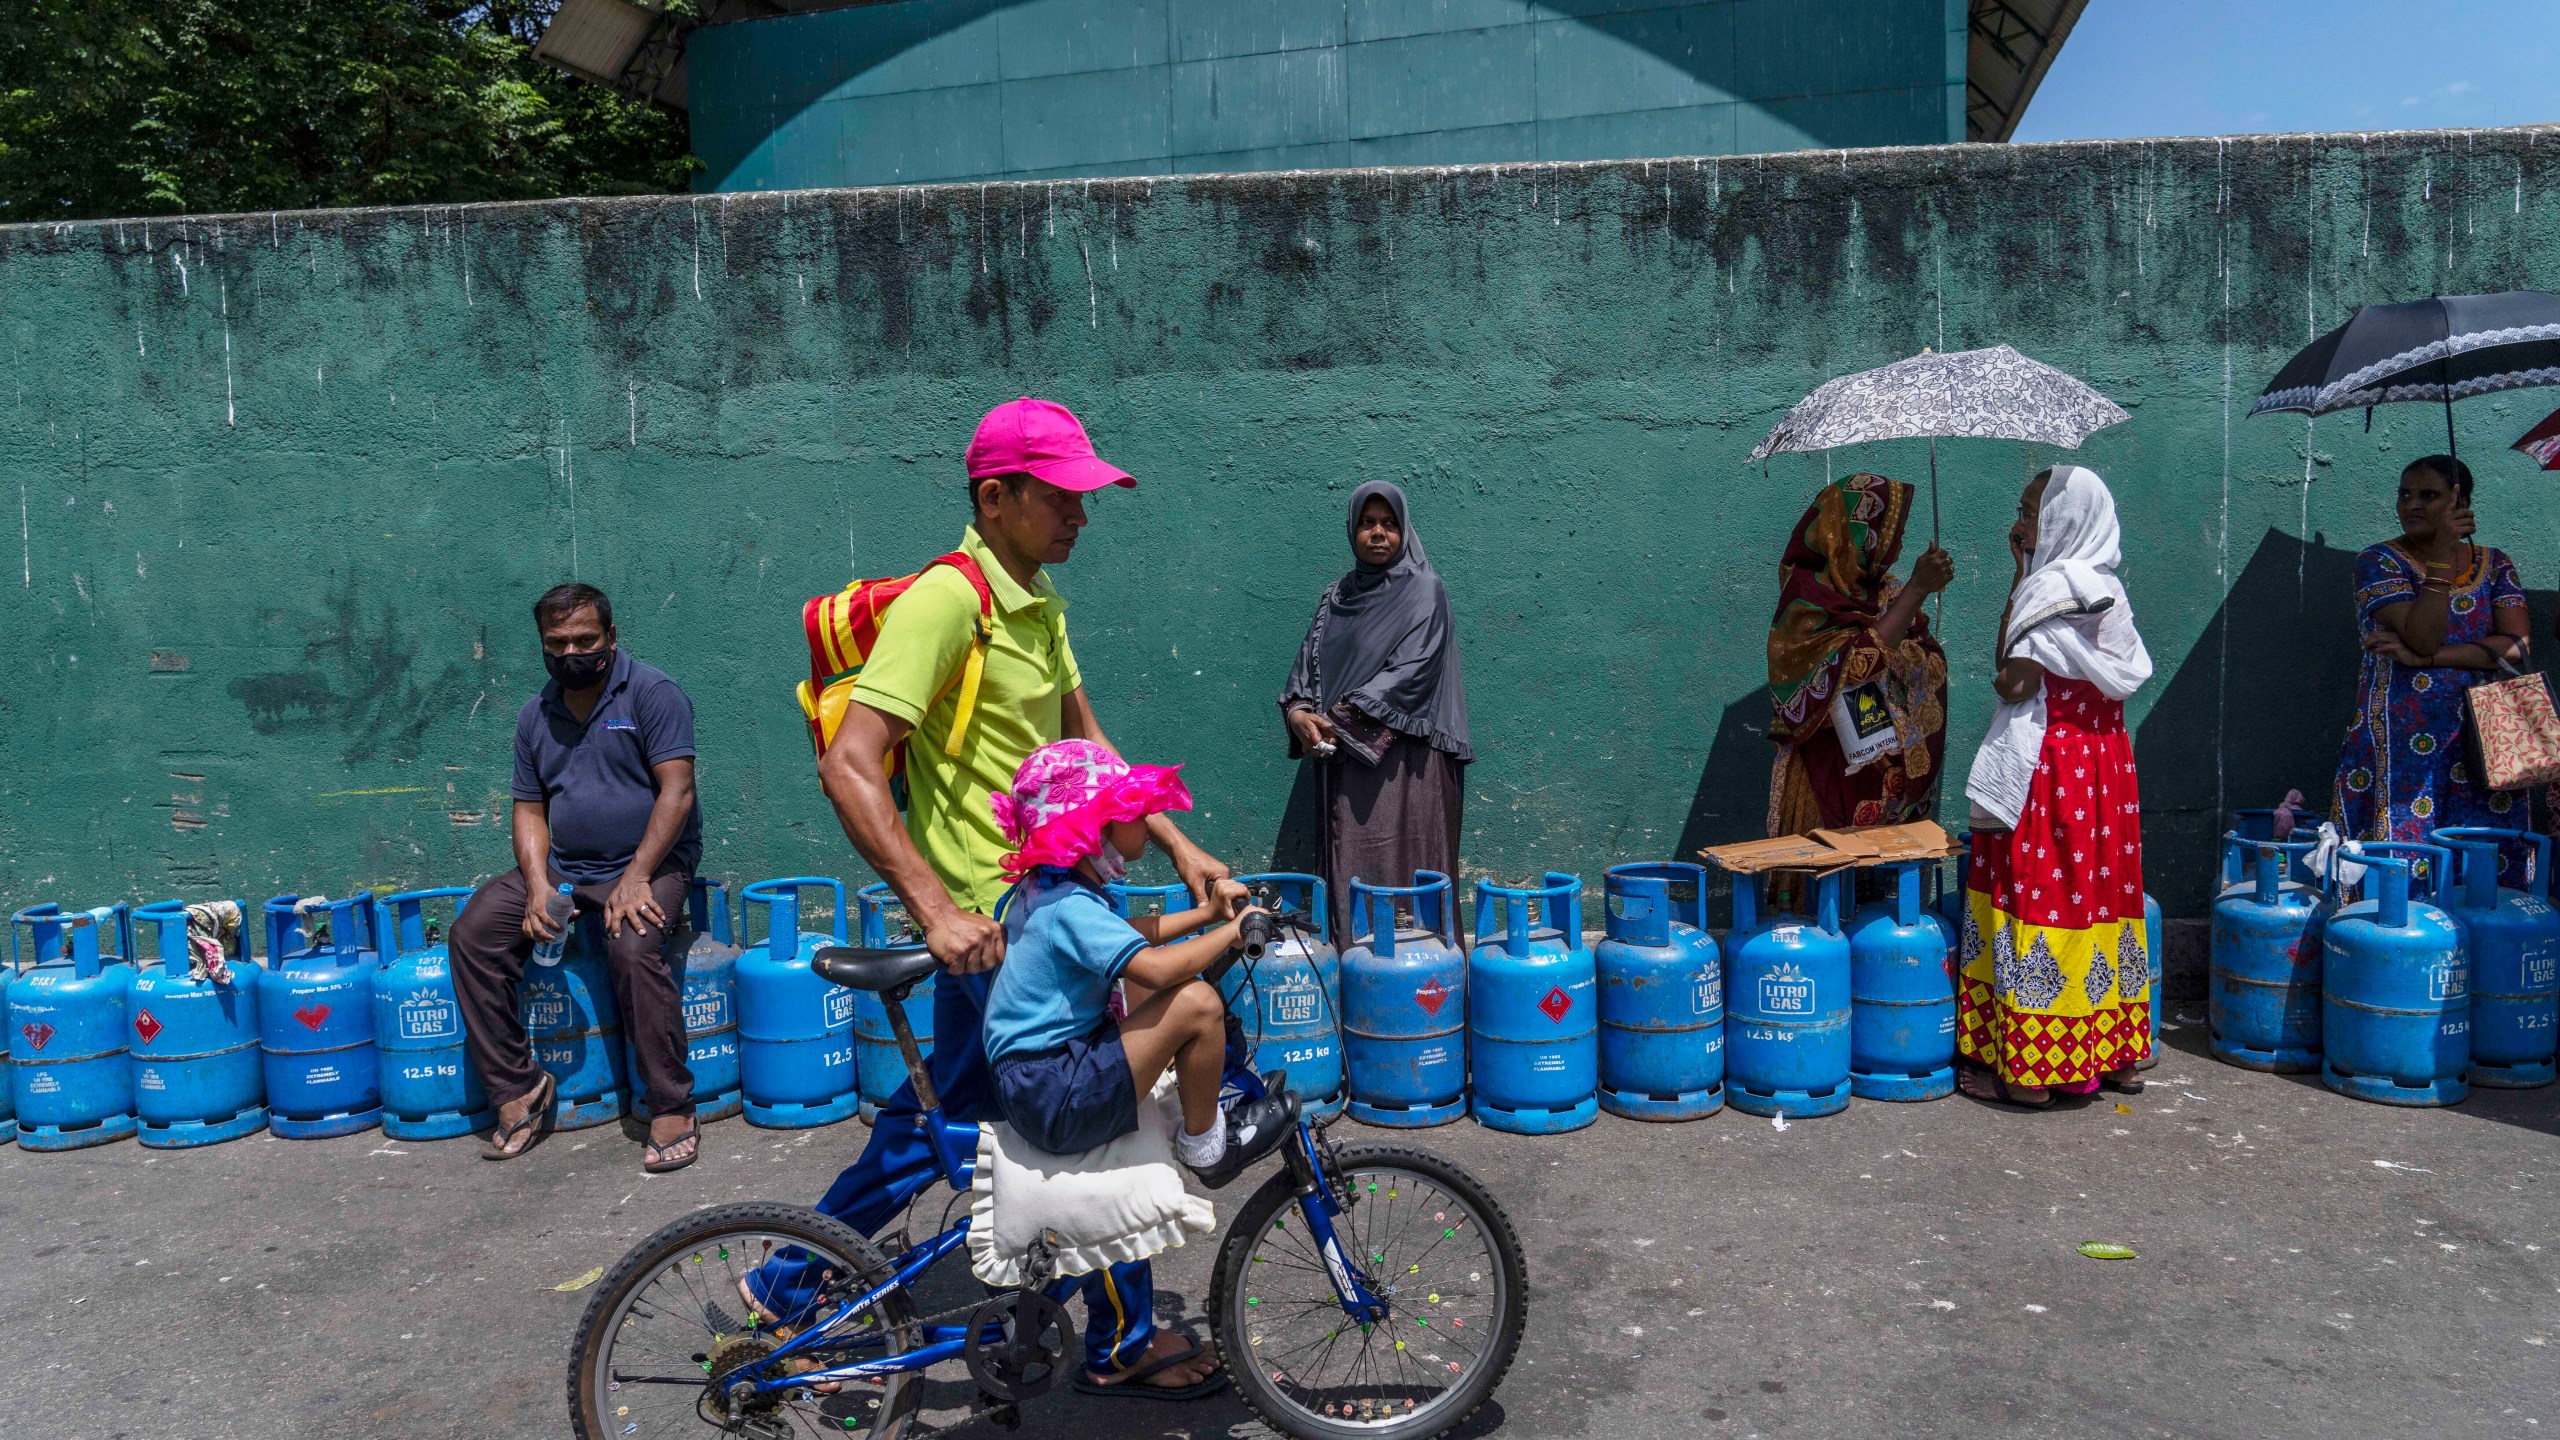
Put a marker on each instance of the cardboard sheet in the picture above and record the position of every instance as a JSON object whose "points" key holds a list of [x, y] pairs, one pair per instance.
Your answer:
{"points": [[1786, 852], [1827, 850], [1890, 844]]}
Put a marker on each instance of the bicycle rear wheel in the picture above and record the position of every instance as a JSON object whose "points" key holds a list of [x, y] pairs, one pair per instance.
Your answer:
{"points": [[668, 1319], [1433, 1244]]}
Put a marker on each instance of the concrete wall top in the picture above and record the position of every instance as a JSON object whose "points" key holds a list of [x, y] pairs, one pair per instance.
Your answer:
{"points": [[287, 483], [964, 90]]}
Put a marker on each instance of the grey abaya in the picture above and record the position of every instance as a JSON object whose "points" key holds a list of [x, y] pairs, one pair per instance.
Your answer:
{"points": [[1383, 644]]}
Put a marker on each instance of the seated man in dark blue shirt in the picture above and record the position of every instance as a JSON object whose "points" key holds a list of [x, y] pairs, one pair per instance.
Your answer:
{"points": [[604, 804]]}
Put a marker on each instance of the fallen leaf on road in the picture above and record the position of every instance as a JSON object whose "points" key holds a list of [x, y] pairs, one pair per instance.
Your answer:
{"points": [[2123, 1109], [2103, 1250], [582, 1282]]}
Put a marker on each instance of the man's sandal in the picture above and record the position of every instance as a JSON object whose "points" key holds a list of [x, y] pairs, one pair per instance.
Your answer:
{"points": [[509, 1141], [653, 1156], [1131, 1383]]}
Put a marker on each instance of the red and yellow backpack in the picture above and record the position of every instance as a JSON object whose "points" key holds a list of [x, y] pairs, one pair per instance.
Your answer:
{"points": [[841, 629]]}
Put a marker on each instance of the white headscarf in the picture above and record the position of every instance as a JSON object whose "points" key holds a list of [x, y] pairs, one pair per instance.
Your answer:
{"points": [[2070, 615]]}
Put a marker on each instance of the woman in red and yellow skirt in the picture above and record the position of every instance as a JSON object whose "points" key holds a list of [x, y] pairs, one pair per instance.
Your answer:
{"points": [[2054, 991]]}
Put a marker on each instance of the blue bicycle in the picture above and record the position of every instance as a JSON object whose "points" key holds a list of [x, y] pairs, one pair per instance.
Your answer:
{"points": [[1367, 1290]]}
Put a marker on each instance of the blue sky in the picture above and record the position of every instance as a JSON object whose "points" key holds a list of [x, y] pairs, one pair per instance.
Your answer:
{"points": [[2136, 68]]}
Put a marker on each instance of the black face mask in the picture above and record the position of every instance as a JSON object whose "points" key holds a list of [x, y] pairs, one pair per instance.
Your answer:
{"points": [[578, 672]]}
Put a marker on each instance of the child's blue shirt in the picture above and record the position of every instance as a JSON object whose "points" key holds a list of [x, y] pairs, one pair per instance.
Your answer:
{"points": [[1064, 950]]}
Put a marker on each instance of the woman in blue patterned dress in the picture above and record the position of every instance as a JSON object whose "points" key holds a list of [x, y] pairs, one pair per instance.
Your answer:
{"points": [[2437, 613]]}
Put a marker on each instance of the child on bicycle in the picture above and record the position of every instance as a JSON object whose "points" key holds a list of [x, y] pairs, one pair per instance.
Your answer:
{"points": [[1068, 1077]]}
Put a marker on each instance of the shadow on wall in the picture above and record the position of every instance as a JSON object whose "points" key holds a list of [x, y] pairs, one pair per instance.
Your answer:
{"points": [[2257, 709], [2285, 639], [1732, 801]]}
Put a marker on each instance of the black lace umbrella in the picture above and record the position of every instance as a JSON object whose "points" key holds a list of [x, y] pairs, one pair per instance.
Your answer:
{"points": [[2433, 351]]}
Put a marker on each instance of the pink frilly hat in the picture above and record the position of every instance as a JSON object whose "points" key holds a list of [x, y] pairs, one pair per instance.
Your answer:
{"points": [[1065, 793]]}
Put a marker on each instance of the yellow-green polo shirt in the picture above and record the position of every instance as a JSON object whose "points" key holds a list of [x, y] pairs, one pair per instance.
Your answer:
{"points": [[913, 673]]}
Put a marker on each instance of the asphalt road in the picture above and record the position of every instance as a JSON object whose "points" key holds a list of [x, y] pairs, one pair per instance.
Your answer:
{"points": [[2308, 1265]]}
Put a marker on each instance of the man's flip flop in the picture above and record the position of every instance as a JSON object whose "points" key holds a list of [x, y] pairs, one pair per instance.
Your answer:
{"points": [[653, 1156], [536, 1115], [1128, 1384]]}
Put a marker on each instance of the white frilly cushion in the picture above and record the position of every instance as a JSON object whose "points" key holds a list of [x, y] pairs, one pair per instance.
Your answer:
{"points": [[1121, 1201]]}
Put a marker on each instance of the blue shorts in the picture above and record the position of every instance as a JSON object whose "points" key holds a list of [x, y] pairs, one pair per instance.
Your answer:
{"points": [[1073, 1098]]}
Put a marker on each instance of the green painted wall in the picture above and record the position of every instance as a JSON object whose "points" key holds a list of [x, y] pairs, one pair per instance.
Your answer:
{"points": [[287, 483], [950, 90]]}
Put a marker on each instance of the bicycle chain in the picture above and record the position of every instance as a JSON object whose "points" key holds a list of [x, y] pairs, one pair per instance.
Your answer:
{"points": [[985, 1409]]}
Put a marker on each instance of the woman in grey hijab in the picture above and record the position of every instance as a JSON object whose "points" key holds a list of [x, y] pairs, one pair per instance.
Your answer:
{"points": [[1377, 702]]}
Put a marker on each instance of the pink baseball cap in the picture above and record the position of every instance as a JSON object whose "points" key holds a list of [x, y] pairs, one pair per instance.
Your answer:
{"points": [[1041, 438]]}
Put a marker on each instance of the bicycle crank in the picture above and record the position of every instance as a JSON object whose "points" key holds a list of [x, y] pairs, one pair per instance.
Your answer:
{"points": [[1030, 1354]]}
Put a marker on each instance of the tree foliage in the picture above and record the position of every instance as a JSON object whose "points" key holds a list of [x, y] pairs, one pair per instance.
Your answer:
{"points": [[144, 107]]}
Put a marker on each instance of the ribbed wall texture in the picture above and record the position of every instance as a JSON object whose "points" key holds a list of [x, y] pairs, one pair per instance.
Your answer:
{"points": [[947, 90], [287, 483]]}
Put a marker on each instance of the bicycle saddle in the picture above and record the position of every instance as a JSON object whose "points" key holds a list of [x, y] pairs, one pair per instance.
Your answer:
{"points": [[873, 970]]}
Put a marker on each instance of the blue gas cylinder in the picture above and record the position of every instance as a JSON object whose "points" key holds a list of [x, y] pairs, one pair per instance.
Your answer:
{"points": [[795, 1030], [2512, 939], [1786, 1005], [1661, 995], [575, 1023], [1533, 1009], [315, 1018], [2396, 1009], [1902, 995], [1404, 1006], [1129, 899], [198, 1078], [431, 1090], [70, 1067], [8, 977], [879, 1068], [709, 987], [1290, 1001], [2265, 985], [1952, 903]]}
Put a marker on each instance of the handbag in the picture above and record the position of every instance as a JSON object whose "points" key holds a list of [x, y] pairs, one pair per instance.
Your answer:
{"points": [[2511, 731]]}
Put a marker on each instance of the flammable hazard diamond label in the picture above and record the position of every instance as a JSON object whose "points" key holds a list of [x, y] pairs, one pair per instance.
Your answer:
{"points": [[1555, 1006]]}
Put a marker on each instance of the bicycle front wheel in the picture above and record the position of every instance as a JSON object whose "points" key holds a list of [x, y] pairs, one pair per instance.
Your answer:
{"points": [[1432, 1242], [669, 1320]]}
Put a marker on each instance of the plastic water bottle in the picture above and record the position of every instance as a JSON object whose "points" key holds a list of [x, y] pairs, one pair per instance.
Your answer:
{"points": [[563, 910]]}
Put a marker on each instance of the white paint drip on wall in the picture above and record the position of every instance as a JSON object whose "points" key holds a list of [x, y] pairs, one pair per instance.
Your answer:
{"points": [[1092, 295], [697, 264], [26, 552], [230, 415], [569, 473], [631, 393]]}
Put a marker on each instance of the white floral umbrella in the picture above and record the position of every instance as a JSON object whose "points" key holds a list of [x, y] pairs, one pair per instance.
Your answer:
{"points": [[1993, 394]]}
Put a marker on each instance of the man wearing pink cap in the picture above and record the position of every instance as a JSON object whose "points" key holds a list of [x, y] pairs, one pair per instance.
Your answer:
{"points": [[1030, 466]]}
